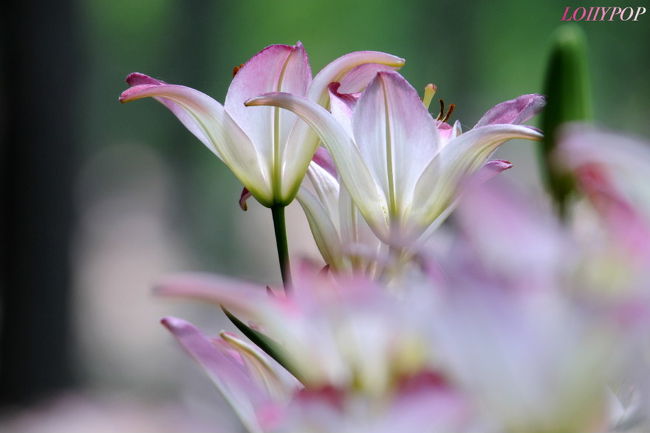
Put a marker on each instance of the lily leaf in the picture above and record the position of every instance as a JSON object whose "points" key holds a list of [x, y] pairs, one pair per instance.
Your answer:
{"points": [[269, 346]]}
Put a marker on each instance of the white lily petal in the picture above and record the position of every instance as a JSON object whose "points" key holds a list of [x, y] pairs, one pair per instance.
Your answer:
{"points": [[322, 228], [357, 237], [355, 174], [302, 141], [396, 135], [318, 197], [337, 69], [210, 122], [463, 155]]}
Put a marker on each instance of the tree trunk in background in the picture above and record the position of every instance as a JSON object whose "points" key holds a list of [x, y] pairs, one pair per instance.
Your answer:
{"points": [[40, 74]]}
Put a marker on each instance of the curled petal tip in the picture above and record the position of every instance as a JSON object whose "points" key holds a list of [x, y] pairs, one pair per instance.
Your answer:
{"points": [[398, 62], [136, 78], [138, 82], [133, 93], [515, 111], [538, 133], [245, 195], [173, 323], [259, 100], [499, 165], [125, 97]]}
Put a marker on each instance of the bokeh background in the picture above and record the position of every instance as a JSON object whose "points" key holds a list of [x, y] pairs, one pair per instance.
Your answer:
{"points": [[101, 199]]}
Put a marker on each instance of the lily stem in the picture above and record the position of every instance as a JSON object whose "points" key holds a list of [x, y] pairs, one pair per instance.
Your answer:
{"points": [[280, 227]]}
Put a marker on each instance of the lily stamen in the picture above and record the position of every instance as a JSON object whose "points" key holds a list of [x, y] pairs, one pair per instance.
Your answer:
{"points": [[442, 116], [452, 107], [442, 110], [236, 69], [429, 93]]}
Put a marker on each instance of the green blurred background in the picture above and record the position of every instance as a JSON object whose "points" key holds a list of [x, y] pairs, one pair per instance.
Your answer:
{"points": [[103, 198]]}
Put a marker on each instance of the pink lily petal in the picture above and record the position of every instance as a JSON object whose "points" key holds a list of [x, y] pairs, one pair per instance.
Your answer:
{"points": [[427, 400], [360, 77], [336, 70], [323, 159], [342, 105], [210, 123], [396, 135], [228, 373], [491, 169], [623, 219], [608, 168], [497, 222], [446, 131], [237, 296], [277, 68], [514, 111]]}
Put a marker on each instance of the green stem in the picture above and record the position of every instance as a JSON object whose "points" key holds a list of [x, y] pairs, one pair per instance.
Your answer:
{"points": [[280, 228]]}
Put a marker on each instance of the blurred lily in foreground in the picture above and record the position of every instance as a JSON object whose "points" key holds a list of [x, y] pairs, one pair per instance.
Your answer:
{"points": [[518, 330], [501, 335], [401, 166], [612, 172], [343, 331], [267, 149], [361, 359], [507, 329]]}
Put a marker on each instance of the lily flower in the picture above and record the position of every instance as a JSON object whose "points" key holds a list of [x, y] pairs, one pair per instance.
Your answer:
{"points": [[359, 357], [609, 169], [250, 381], [343, 331], [342, 236], [401, 166], [344, 239], [516, 328], [267, 150], [423, 402]]}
